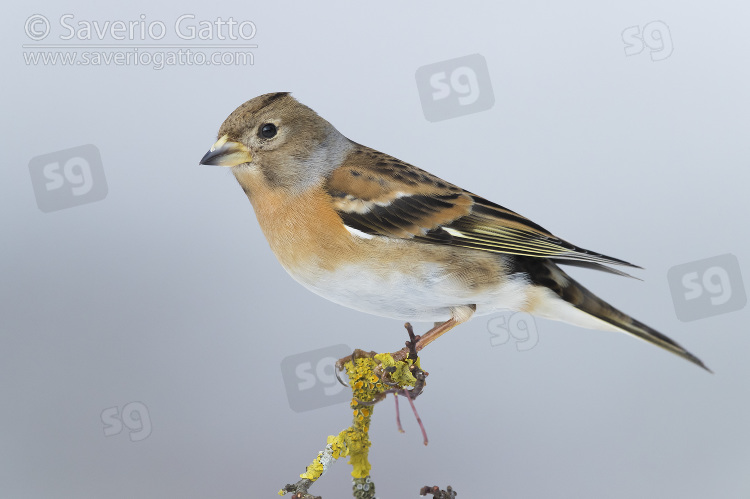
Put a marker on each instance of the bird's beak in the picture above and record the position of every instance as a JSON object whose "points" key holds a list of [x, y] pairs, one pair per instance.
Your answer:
{"points": [[226, 153]]}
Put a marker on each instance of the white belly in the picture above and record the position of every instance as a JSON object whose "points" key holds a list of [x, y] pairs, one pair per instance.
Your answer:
{"points": [[422, 292]]}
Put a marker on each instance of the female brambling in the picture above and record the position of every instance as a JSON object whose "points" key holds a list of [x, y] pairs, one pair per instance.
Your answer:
{"points": [[371, 232]]}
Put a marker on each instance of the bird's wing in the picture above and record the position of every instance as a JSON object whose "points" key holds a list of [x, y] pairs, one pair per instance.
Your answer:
{"points": [[383, 196]]}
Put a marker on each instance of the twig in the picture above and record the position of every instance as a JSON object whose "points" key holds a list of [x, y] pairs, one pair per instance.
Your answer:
{"points": [[449, 493], [371, 378], [398, 415]]}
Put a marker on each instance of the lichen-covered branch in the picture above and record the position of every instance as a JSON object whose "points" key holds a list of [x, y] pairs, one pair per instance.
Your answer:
{"points": [[371, 377]]}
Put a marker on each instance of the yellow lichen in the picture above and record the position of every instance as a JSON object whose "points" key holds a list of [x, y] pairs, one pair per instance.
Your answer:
{"points": [[354, 441]]}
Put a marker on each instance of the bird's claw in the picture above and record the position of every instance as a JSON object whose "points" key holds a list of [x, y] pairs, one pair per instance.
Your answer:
{"points": [[356, 354]]}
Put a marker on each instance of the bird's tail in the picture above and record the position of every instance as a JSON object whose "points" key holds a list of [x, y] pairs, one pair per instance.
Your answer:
{"points": [[568, 301]]}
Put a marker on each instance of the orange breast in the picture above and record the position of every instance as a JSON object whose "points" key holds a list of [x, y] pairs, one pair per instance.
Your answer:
{"points": [[302, 230]]}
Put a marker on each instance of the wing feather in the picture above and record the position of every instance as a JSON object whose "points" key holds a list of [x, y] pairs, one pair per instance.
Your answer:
{"points": [[383, 196]]}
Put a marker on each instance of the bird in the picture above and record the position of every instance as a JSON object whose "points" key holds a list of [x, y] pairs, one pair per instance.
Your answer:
{"points": [[376, 234]]}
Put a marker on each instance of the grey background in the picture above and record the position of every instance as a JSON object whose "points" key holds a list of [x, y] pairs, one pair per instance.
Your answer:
{"points": [[310, 379], [166, 292], [708, 287], [76, 177], [450, 99]]}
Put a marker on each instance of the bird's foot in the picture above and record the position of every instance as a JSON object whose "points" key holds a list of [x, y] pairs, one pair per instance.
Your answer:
{"points": [[408, 352], [385, 375], [357, 354]]}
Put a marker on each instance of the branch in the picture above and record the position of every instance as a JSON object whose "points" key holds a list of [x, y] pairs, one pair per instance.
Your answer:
{"points": [[371, 377]]}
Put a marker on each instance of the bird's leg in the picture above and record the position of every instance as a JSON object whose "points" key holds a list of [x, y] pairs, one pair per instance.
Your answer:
{"points": [[436, 332], [460, 315]]}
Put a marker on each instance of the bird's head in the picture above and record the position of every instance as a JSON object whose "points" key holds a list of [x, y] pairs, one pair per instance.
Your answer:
{"points": [[279, 139]]}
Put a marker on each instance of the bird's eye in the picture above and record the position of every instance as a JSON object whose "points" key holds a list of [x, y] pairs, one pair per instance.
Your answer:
{"points": [[268, 131]]}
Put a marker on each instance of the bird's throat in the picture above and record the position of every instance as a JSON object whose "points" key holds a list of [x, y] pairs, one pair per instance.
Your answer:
{"points": [[299, 229]]}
